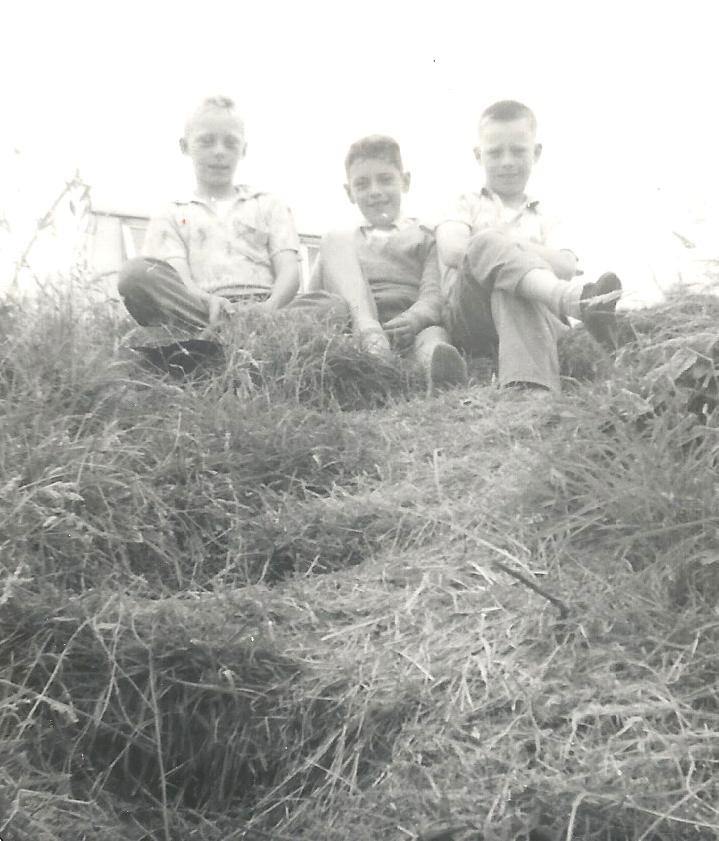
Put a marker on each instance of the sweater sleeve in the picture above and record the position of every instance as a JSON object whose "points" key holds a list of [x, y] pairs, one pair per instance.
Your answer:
{"points": [[427, 309]]}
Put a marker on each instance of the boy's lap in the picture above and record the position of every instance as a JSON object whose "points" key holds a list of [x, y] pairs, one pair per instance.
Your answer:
{"points": [[320, 305]]}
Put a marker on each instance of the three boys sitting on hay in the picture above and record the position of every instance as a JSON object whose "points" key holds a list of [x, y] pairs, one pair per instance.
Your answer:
{"points": [[492, 278]]}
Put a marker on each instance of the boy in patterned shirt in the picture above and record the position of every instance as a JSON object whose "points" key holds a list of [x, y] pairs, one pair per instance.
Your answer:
{"points": [[511, 282], [223, 246], [386, 271]]}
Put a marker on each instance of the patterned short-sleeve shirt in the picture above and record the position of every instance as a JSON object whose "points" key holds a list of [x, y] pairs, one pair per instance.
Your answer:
{"points": [[227, 253]]}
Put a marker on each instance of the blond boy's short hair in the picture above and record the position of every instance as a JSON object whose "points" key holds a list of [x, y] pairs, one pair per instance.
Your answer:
{"points": [[213, 103], [374, 146], [507, 110]]}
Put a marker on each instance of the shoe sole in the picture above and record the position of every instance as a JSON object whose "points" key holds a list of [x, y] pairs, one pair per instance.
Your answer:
{"points": [[598, 310], [447, 367]]}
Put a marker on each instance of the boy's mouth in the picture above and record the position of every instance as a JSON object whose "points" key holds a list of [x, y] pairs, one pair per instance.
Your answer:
{"points": [[383, 215]]}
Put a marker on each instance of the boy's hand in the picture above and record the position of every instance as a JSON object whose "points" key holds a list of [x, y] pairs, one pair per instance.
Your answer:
{"points": [[218, 308], [400, 330], [563, 263]]}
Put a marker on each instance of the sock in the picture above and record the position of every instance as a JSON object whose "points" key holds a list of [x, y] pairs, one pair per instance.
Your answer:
{"points": [[541, 285], [571, 298], [560, 296]]}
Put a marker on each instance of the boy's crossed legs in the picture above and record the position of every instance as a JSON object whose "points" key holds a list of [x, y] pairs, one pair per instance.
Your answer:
{"points": [[154, 293], [507, 300]]}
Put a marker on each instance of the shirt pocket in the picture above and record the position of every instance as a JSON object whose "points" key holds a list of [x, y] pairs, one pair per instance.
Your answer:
{"points": [[251, 242]]}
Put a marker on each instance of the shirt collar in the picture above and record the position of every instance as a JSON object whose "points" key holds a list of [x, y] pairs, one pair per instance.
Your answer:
{"points": [[241, 192], [531, 203], [399, 224]]}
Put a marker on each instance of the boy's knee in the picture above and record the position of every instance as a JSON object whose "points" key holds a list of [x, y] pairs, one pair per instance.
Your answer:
{"points": [[131, 274], [484, 240], [141, 272]]}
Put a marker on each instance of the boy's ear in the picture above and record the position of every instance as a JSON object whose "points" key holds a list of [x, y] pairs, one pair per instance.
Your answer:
{"points": [[243, 149], [183, 145], [406, 178], [537, 152], [477, 155], [349, 193]]}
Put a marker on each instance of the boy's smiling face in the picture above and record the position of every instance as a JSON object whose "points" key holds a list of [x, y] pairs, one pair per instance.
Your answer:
{"points": [[507, 151], [376, 185], [215, 140]]}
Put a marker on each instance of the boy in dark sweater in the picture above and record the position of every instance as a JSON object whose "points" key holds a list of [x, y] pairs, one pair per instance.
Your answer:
{"points": [[386, 271]]}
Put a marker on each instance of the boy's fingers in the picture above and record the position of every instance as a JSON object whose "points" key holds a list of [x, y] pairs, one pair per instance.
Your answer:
{"points": [[402, 336], [391, 325], [397, 324], [218, 307], [399, 332]]}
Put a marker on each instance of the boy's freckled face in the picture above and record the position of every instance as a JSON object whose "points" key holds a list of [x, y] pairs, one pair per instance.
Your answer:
{"points": [[376, 186], [507, 151], [216, 143]]}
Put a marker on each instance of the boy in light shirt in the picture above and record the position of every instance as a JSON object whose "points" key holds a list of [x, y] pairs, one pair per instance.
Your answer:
{"points": [[223, 246], [511, 282]]}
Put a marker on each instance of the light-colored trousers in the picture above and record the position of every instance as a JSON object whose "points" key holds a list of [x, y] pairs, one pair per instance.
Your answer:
{"points": [[486, 315]]}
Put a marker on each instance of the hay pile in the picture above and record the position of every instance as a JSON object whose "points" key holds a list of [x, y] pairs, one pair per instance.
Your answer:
{"points": [[315, 364], [194, 702], [226, 615]]}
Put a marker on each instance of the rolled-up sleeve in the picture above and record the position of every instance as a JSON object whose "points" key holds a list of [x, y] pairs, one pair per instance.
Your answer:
{"points": [[461, 209], [281, 229]]}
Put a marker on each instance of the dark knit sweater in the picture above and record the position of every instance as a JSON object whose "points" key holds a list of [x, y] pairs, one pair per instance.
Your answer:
{"points": [[403, 273]]}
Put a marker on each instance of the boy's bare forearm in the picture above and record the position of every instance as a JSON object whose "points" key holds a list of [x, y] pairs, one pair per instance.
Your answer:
{"points": [[287, 280]]}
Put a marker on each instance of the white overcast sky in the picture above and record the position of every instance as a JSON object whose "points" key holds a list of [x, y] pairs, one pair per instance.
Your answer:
{"points": [[626, 94]]}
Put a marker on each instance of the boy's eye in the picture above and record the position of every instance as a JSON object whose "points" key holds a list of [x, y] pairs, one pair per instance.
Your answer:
{"points": [[205, 140], [361, 184], [385, 180]]}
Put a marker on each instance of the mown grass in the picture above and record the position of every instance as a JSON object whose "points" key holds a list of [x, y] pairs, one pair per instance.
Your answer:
{"points": [[290, 597]]}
